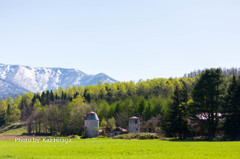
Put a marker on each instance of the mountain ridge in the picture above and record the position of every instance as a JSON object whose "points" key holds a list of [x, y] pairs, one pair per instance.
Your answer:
{"points": [[37, 79]]}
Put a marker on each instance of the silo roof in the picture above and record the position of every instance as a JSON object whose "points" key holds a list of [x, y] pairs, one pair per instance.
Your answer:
{"points": [[134, 117], [91, 116]]}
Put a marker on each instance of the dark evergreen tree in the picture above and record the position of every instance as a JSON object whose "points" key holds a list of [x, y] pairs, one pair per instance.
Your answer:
{"points": [[87, 96], [43, 102], [47, 97], [56, 97], [175, 120], [76, 94], [62, 96], [208, 99], [170, 119], [34, 99], [232, 110], [184, 112], [51, 96]]}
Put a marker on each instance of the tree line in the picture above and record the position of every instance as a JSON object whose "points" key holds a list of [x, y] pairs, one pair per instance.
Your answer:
{"points": [[225, 71], [206, 105]]}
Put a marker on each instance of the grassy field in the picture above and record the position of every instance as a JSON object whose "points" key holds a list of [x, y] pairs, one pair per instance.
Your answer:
{"points": [[17, 131], [113, 148], [17, 128]]}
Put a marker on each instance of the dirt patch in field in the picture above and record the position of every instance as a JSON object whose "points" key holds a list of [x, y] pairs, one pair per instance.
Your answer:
{"points": [[12, 137]]}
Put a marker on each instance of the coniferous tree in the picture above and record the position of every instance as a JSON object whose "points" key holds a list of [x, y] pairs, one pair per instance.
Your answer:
{"points": [[232, 110], [175, 120], [184, 112], [208, 99], [51, 96], [47, 97], [56, 97]]}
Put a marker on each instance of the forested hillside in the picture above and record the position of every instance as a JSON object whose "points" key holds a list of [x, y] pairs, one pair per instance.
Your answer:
{"points": [[207, 105], [46, 111]]}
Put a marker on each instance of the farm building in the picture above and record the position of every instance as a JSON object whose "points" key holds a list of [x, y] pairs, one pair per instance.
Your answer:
{"points": [[119, 131], [199, 121], [91, 124], [134, 125]]}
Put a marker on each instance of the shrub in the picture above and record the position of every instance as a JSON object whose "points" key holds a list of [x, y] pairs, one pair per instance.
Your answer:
{"points": [[140, 136], [102, 137], [74, 137]]}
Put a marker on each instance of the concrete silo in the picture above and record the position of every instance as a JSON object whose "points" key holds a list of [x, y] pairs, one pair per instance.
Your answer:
{"points": [[134, 125], [91, 124]]}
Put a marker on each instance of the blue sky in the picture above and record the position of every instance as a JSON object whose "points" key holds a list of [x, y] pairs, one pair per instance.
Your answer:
{"points": [[127, 39]]}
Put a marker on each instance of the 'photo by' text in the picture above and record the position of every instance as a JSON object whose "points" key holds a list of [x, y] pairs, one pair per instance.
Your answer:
{"points": [[44, 140]]}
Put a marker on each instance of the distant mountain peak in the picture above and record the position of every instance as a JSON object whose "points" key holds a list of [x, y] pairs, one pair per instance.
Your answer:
{"points": [[34, 79]]}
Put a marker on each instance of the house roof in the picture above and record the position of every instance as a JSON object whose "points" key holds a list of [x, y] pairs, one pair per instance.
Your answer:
{"points": [[120, 129], [204, 116], [91, 116]]}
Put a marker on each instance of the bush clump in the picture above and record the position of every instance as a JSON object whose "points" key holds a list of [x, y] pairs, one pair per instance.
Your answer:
{"points": [[74, 137], [102, 137], [140, 136]]}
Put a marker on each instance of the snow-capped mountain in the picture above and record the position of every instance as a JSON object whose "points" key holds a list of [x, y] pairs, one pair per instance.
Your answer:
{"points": [[17, 79]]}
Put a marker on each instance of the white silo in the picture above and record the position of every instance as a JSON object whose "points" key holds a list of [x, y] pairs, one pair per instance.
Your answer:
{"points": [[134, 125], [91, 124]]}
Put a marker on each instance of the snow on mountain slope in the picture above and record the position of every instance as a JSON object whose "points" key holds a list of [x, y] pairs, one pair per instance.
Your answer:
{"points": [[19, 79], [9, 90]]}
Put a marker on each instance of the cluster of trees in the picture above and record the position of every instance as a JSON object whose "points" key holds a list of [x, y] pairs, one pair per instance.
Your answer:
{"points": [[59, 117], [206, 105], [211, 108], [9, 111]]}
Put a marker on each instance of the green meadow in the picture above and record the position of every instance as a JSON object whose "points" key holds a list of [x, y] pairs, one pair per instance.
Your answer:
{"points": [[115, 148]]}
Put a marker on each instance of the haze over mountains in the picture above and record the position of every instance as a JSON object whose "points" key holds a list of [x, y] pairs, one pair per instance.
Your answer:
{"points": [[17, 79]]}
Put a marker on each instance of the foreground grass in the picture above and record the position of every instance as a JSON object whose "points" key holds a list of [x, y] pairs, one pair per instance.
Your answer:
{"points": [[113, 148]]}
